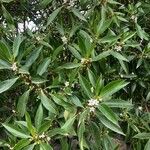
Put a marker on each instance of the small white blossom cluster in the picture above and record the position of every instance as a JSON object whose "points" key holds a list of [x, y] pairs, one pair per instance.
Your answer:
{"points": [[118, 48], [140, 108], [134, 18], [64, 39], [66, 84], [71, 3], [92, 103], [86, 60], [14, 66], [43, 136]]}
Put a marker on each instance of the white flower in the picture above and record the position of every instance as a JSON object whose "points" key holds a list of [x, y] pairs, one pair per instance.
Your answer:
{"points": [[38, 38], [65, 1], [83, 60], [64, 39], [14, 66], [92, 109], [42, 136], [134, 18], [140, 108], [66, 84], [118, 48], [48, 138], [93, 102], [71, 3]]}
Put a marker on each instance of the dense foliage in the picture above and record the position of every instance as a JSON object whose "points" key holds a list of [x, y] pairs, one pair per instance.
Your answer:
{"points": [[79, 79]]}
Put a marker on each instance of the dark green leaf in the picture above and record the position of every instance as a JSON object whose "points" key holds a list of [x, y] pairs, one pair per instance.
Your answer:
{"points": [[5, 85], [22, 102]]}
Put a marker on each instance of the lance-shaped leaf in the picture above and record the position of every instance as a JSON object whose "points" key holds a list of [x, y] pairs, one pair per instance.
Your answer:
{"points": [[43, 66], [70, 65], [85, 86], [4, 64], [108, 113], [78, 14], [32, 58], [143, 135], [117, 103], [118, 56], [75, 52], [39, 116], [4, 51], [101, 56], [44, 3], [47, 103], [147, 146], [22, 102], [21, 144], [68, 124], [53, 15], [5, 85], [109, 124], [16, 45], [112, 88], [45, 146], [7, 16], [15, 131]]}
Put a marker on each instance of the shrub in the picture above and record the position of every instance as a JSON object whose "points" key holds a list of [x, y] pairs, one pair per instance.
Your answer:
{"points": [[79, 79]]}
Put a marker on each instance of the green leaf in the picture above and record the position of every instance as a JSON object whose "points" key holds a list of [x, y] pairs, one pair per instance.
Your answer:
{"points": [[103, 26], [117, 103], [108, 113], [47, 103], [21, 144], [32, 58], [109, 124], [44, 3], [5, 85], [29, 147], [4, 51], [118, 56], [101, 56], [30, 127], [82, 142], [129, 36], [78, 14], [76, 100], [53, 15], [147, 146], [45, 146], [4, 64], [39, 117], [108, 39], [70, 65], [16, 132], [92, 77], [141, 33], [43, 66], [112, 88], [45, 126], [75, 52], [18, 40], [7, 16], [85, 86], [142, 135], [68, 124], [22, 102]]}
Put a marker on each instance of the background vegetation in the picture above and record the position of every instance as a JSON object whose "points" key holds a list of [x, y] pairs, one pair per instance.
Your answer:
{"points": [[74, 74]]}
